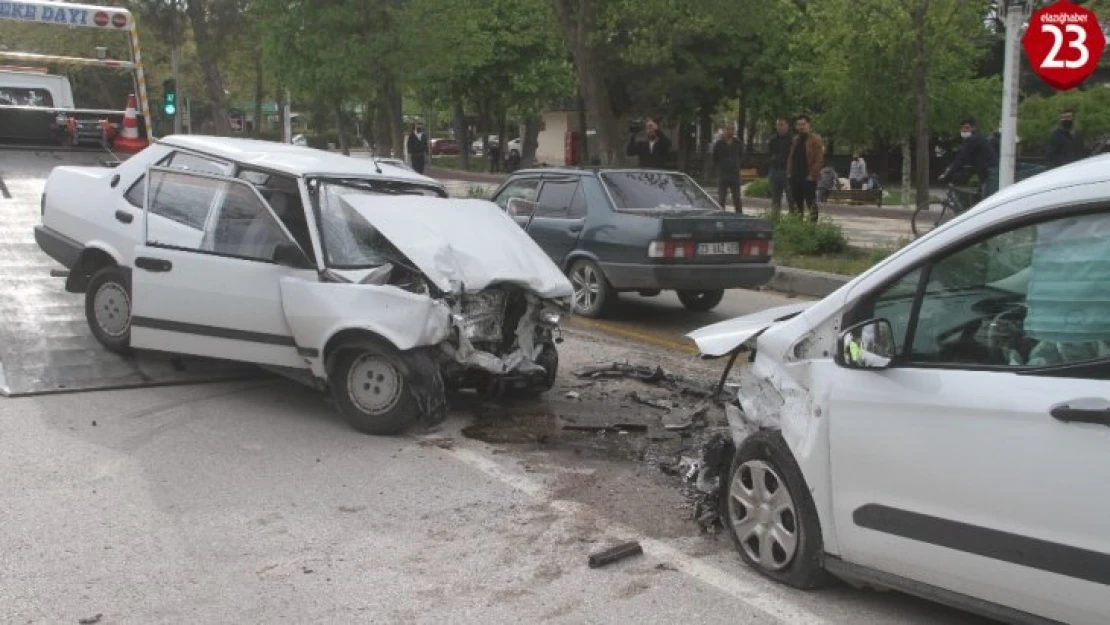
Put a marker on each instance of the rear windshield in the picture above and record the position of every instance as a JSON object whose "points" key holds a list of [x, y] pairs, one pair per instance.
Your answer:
{"points": [[653, 189], [19, 96]]}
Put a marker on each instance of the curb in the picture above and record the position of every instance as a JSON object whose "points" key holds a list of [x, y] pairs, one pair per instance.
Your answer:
{"points": [[807, 283]]}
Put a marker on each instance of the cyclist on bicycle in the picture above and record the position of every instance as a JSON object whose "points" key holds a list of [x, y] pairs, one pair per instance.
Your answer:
{"points": [[977, 152]]}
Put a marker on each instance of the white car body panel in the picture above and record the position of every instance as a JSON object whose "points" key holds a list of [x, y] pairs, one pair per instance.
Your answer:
{"points": [[463, 244], [977, 448]]}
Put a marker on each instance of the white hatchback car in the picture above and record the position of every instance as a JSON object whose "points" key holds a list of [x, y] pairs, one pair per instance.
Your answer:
{"points": [[941, 424]]}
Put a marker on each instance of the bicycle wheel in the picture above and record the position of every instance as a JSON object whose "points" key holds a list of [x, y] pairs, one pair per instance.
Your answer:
{"points": [[925, 220]]}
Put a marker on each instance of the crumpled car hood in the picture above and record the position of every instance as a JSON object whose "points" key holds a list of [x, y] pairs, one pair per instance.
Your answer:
{"points": [[463, 244], [722, 338]]}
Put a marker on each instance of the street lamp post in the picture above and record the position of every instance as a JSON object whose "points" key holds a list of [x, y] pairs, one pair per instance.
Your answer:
{"points": [[1014, 13]]}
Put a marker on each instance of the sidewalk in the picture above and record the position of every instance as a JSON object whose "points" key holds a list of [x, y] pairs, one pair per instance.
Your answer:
{"points": [[865, 226]]}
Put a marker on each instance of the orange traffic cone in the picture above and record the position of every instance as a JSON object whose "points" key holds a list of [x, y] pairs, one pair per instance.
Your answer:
{"points": [[128, 140]]}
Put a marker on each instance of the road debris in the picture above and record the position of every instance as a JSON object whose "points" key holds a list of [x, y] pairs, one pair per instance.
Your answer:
{"points": [[613, 554], [573, 395], [616, 428], [440, 441], [695, 417], [662, 404], [649, 375], [92, 620]]}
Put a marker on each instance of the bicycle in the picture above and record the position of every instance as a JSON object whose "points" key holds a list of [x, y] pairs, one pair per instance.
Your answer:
{"points": [[950, 207]]}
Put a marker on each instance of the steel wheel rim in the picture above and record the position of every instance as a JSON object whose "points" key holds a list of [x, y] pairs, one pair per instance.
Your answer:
{"points": [[587, 287], [374, 384], [763, 516], [112, 308]]}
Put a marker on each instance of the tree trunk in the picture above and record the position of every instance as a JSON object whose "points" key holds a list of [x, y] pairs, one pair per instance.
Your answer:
{"points": [[460, 135], [340, 130], [583, 136], [383, 130], [258, 90], [395, 108], [906, 157], [741, 124], [207, 56], [704, 139], [921, 106], [531, 142], [577, 19]]}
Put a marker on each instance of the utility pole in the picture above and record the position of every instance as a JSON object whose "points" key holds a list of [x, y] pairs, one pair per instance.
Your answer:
{"points": [[287, 122], [173, 65], [1014, 15]]}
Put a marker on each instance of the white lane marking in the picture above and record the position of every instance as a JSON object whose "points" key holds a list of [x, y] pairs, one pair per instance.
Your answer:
{"points": [[748, 593]]}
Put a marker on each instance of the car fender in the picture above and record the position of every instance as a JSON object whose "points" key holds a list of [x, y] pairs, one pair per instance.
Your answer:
{"points": [[577, 254], [95, 255]]}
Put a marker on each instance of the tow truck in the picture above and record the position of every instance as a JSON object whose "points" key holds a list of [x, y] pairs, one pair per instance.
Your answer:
{"points": [[45, 344]]}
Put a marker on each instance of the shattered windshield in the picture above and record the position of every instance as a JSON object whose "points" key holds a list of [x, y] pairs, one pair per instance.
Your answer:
{"points": [[658, 190], [349, 241]]}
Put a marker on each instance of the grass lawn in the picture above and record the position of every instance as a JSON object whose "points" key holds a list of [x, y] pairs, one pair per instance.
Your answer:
{"points": [[851, 262], [477, 163]]}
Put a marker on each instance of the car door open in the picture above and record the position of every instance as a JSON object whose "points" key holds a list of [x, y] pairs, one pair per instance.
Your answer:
{"points": [[207, 280]]}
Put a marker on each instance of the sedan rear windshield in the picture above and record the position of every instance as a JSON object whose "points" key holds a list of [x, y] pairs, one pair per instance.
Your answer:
{"points": [[638, 190]]}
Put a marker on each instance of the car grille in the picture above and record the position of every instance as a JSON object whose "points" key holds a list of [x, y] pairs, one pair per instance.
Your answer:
{"points": [[484, 315]]}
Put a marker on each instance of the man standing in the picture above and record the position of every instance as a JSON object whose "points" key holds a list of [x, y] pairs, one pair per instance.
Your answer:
{"points": [[1064, 146], [977, 152], [654, 150], [418, 148], [806, 160], [726, 156], [779, 149]]}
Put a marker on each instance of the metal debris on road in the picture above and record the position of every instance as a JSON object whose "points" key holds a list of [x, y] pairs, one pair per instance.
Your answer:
{"points": [[662, 404], [90, 620], [649, 375], [573, 395], [615, 428], [695, 417], [613, 554]]}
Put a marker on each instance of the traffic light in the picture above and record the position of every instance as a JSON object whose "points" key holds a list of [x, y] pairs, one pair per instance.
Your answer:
{"points": [[169, 97]]}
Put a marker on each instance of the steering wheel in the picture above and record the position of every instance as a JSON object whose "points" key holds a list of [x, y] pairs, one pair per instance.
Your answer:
{"points": [[1000, 331]]}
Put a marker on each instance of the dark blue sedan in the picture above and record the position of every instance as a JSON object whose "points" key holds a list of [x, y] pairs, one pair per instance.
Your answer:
{"points": [[635, 230]]}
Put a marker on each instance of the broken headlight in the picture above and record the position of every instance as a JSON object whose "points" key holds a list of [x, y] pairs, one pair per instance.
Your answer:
{"points": [[551, 317], [483, 315]]}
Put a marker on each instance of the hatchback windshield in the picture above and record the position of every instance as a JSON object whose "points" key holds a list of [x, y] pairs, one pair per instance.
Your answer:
{"points": [[349, 241], [652, 189]]}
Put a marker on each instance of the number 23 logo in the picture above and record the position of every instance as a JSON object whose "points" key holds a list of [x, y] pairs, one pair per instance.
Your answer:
{"points": [[1052, 61]]}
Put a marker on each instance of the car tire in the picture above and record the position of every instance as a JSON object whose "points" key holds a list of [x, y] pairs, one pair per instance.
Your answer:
{"points": [[371, 385], [108, 308], [700, 301], [593, 295], [768, 511]]}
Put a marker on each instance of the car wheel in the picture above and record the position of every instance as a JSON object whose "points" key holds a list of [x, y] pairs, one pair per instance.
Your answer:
{"points": [[108, 308], [370, 383], [592, 293], [768, 511], [700, 301]]}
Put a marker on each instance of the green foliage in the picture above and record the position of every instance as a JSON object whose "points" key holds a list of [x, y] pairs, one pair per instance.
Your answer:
{"points": [[760, 187], [1038, 115], [797, 235]]}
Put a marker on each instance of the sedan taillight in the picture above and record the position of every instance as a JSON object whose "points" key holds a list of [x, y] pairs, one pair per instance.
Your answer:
{"points": [[671, 249]]}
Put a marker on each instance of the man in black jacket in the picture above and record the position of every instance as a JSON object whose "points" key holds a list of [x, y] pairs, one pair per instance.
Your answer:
{"points": [[418, 148], [977, 152], [726, 156], [779, 149], [1064, 146], [654, 150]]}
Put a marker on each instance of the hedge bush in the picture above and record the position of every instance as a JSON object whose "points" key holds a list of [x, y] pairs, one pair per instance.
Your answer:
{"points": [[760, 187], [797, 235]]}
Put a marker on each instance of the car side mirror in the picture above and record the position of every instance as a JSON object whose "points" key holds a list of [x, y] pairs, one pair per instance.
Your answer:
{"points": [[867, 345], [288, 254]]}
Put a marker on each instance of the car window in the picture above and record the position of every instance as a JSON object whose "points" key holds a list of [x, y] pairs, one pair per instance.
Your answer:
{"points": [[26, 96], [184, 201], [136, 195], [242, 226], [525, 189], [555, 198], [176, 160], [1031, 297], [578, 204], [643, 190], [284, 197]]}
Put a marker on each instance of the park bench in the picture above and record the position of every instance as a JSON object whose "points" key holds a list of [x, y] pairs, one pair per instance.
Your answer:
{"points": [[857, 196], [748, 175]]}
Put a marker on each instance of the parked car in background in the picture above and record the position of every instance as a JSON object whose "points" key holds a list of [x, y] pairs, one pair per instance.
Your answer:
{"points": [[940, 424], [310, 264], [635, 230], [439, 147]]}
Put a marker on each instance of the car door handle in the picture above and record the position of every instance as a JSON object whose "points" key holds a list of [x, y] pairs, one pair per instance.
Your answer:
{"points": [[575, 228], [153, 264], [124, 216], [1096, 411]]}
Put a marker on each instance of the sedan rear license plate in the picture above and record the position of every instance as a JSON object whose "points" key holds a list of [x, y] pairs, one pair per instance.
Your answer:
{"points": [[718, 249]]}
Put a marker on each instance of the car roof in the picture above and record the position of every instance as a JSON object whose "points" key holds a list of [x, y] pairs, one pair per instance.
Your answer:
{"points": [[588, 171], [290, 159], [1087, 173]]}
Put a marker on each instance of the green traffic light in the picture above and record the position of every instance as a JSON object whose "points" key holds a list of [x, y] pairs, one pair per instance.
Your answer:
{"points": [[170, 109]]}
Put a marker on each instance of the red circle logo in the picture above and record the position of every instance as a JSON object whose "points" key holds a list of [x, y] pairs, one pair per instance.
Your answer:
{"points": [[101, 18], [119, 20], [1064, 43]]}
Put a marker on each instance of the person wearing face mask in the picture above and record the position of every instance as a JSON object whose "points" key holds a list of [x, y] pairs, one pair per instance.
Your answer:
{"points": [[654, 150], [418, 148], [1064, 146], [976, 152]]}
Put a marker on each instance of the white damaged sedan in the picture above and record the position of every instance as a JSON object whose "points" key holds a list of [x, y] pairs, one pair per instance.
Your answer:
{"points": [[941, 424], [352, 276]]}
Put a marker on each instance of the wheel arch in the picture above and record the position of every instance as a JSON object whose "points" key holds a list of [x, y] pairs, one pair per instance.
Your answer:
{"points": [[92, 259], [347, 336], [581, 254]]}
